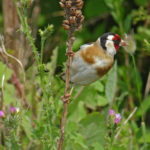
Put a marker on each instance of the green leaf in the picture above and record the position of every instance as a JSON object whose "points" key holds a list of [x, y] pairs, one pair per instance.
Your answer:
{"points": [[145, 105], [111, 83], [26, 124], [97, 146], [4, 70], [79, 109], [92, 96], [93, 128], [127, 23]]}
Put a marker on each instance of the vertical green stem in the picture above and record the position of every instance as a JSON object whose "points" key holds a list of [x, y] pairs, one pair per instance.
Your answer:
{"points": [[144, 134], [136, 77], [42, 49]]}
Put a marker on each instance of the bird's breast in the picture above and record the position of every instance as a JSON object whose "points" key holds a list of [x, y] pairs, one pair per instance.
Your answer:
{"points": [[102, 70]]}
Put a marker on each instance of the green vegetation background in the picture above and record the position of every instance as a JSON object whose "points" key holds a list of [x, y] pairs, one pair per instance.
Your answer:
{"points": [[122, 89]]}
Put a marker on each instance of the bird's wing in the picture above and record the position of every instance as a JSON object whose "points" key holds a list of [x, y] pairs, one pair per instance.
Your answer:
{"points": [[81, 73], [85, 46]]}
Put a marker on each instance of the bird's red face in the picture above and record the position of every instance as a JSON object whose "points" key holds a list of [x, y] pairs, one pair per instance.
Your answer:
{"points": [[118, 42], [110, 40], [116, 39]]}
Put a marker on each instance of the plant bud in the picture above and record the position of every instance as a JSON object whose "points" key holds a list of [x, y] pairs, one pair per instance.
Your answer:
{"points": [[78, 1], [66, 27], [63, 1], [73, 10], [72, 19], [68, 4], [82, 19], [79, 5], [61, 5], [79, 28], [78, 13], [66, 22]]}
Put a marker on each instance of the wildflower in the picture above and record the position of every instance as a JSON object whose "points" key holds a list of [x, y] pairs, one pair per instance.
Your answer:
{"points": [[12, 109], [111, 112], [131, 45], [117, 118], [17, 109], [1, 114]]}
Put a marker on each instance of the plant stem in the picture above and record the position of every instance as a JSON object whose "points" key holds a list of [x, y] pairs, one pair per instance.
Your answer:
{"points": [[144, 134], [136, 78], [42, 49], [67, 85]]}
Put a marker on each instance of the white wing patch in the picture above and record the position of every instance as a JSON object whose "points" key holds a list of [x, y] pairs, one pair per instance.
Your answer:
{"points": [[85, 46]]}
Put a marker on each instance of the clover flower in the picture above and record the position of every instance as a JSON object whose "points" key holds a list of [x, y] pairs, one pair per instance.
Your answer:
{"points": [[117, 118], [111, 112]]}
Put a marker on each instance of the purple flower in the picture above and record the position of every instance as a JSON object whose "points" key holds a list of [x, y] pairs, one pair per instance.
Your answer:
{"points": [[12, 109], [111, 112], [1, 114], [117, 118]]}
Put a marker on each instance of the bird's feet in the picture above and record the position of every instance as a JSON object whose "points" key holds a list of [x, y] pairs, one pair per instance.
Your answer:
{"points": [[66, 98], [70, 53]]}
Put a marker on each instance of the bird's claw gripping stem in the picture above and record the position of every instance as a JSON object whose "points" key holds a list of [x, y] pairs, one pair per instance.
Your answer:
{"points": [[70, 53], [66, 98]]}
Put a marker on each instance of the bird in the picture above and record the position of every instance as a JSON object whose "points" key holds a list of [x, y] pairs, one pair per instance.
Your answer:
{"points": [[92, 61]]}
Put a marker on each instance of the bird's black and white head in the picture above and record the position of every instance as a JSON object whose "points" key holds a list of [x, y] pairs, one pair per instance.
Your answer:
{"points": [[111, 42]]}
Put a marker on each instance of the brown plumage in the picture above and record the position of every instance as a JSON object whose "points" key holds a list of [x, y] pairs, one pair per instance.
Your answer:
{"points": [[92, 61]]}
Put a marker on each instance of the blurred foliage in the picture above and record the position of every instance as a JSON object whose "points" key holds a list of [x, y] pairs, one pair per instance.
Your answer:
{"points": [[123, 88]]}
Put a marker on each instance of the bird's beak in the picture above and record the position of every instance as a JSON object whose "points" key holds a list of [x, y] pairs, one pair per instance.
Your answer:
{"points": [[123, 43]]}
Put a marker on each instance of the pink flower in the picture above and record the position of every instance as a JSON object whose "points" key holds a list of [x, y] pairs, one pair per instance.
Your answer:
{"points": [[111, 112], [117, 118], [12, 109], [1, 114]]}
